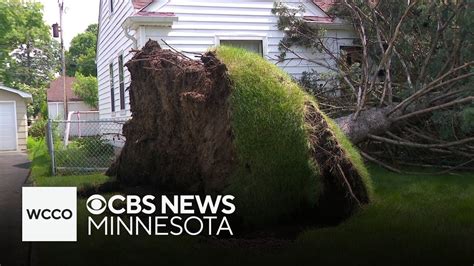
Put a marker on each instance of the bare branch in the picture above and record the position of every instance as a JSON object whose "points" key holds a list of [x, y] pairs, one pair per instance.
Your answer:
{"points": [[431, 109], [433, 85], [419, 145], [372, 159]]}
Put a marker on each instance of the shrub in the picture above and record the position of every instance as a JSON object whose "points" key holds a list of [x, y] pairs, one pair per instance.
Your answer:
{"points": [[94, 146], [85, 152], [86, 87], [38, 128]]}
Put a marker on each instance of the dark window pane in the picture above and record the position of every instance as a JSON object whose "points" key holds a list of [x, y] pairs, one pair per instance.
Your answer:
{"points": [[122, 84], [112, 91], [351, 54]]}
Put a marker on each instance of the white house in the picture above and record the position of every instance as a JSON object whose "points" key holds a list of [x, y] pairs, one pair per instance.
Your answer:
{"points": [[195, 26]]}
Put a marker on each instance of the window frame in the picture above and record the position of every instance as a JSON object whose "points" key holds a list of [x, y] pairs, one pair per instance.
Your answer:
{"points": [[262, 38]]}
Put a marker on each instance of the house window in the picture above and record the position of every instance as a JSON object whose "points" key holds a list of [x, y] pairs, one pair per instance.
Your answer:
{"points": [[112, 91], [111, 6], [351, 54], [121, 83], [255, 46]]}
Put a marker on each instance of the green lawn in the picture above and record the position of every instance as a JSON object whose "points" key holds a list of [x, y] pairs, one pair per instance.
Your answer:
{"points": [[71, 180], [41, 169], [416, 219]]}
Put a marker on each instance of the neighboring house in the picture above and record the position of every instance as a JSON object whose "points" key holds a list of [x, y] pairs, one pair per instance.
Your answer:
{"points": [[55, 96], [13, 119], [195, 26]]}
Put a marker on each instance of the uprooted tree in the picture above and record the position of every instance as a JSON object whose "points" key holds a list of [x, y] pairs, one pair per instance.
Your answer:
{"points": [[407, 99], [234, 123]]}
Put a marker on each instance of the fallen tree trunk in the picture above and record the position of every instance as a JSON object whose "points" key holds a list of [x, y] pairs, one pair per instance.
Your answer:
{"points": [[404, 131], [372, 121], [234, 123]]}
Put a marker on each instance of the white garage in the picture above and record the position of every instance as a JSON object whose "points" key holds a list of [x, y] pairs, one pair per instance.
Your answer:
{"points": [[13, 119]]}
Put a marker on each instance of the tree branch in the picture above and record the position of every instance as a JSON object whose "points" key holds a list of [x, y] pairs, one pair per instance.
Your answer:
{"points": [[431, 109], [419, 145]]}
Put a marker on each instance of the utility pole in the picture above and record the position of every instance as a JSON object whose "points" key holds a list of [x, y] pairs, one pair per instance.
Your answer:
{"points": [[63, 60]]}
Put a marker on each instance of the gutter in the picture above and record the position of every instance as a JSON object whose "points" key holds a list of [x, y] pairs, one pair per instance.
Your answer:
{"points": [[331, 26], [325, 23]]}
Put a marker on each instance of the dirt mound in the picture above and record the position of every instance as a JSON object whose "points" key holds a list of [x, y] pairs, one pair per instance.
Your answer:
{"points": [[234, 123]]}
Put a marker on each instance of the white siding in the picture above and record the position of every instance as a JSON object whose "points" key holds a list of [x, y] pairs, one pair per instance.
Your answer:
{"points": [[201, 25], [111, 43]]}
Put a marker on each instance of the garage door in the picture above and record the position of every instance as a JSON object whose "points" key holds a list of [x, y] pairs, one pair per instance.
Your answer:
{"points": [[7, 126]]}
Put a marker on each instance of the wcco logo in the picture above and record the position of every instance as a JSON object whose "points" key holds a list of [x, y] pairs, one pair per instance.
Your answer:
{"points": [[49, 214]]}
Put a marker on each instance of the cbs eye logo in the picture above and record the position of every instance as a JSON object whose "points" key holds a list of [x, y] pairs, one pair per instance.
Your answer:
{"points": [[96, 204]]}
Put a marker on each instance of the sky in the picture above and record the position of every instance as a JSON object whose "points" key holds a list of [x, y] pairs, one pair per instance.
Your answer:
{"points": [[78, 15]]}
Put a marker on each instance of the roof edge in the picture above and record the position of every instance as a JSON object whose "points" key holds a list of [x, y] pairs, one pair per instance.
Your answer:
{"points": [[324, 5], [133, 22], [22, 94]]}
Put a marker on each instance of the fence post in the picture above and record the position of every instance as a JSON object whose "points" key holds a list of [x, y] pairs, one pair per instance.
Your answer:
{"points": [[50, 141]]}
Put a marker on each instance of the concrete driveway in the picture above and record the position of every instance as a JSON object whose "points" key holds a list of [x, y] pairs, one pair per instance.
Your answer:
{"points": [[14, 169]]}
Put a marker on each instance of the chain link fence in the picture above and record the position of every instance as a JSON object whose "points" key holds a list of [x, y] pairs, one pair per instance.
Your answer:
{"points": [[83, 146]]}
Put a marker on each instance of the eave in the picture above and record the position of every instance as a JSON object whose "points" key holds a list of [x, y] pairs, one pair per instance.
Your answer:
{"points": [[134, 22], [25, 95]]}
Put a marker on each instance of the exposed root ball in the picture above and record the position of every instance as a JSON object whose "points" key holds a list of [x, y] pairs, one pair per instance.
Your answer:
{"points": [[179, 137], [234, 123]]}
